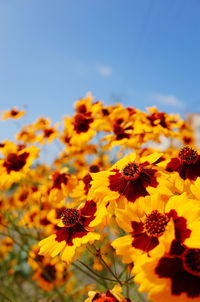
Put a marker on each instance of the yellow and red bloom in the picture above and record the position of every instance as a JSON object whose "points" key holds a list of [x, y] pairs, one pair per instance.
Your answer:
{"points": [[75, 228], [129, 178], [48, 272], [151, 218], [16, 162], [113, 295], [187, 164], [171, 274], [62, 184], [13, 113]]}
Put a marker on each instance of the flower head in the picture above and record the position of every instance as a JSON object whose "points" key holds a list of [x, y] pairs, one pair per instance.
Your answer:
{"points": [[74, 229], [150, 219], [187, 164], [128, 178]]}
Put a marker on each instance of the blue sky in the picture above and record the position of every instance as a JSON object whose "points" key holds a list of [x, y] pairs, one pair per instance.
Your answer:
{"points": [[140, 52]]}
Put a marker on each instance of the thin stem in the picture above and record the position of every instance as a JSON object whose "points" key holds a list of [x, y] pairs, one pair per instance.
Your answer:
{"points": [[129, 279], [89, 275], [99, 276], [98, 254], [122, 272]]}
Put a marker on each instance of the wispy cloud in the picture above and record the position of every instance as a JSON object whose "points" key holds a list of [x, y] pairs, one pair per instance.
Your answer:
{"points": [[104, 71], [170, 100]]}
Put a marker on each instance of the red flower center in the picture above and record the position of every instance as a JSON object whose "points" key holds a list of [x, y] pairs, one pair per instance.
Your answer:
{"points": [[14, 112], [188, 155], [58, 179], [103, 298], [48, 132], [82, 122], [49, 273], [132, 171], [94, 168], [15, 162], [82, 109], [70, 217], [191, 261], [155, 223]]}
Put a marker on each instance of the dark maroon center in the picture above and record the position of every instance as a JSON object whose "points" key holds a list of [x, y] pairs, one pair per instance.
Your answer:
{"points": [[48, 132], [82, 109], [192, 261], [188, 155], [15, 162], [70, 217], [101, 297], [94, 168], [49, 273], [14, 112], [155, 223], [132, 171], [82, 122], [58, 179]]}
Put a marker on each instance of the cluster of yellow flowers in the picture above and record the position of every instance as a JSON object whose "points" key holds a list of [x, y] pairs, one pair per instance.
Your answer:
{"points": [[110, 219]]}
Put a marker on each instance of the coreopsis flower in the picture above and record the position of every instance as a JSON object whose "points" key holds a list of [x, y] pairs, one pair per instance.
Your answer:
{"points": [[130, 178], [41, 123], [151, 218], [120, 126], [187, 164], [62, 184], [24, 194], [27, 135], [170, 274], [113, 295], [48, 272], [13, 114], [75, 228], [163, 123], [16, 162], [48, 135]]}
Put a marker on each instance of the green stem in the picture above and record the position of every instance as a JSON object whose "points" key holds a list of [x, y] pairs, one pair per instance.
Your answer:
{"points": [[96, 274], [89, 275]]}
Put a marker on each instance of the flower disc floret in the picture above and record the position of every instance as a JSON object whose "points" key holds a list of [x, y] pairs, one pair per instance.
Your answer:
{"points": [[104, 299], [132, 171], [155, 223], [188, 155], [70, 217]]}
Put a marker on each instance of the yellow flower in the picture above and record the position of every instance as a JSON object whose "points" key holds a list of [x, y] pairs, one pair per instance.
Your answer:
{"points": [[151, 218], [48, 272], [129, 178], [13, 113], [16, 163], [170, 274], [74, 229], [113, 295]]}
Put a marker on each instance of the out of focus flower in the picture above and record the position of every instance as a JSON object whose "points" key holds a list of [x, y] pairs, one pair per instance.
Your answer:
{"points": [[171, 274], [48, 272], [13, 114], [16, 162]]}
